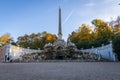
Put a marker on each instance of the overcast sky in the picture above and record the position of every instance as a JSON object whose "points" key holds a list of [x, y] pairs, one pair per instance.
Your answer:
{"points": [[19, 17]]}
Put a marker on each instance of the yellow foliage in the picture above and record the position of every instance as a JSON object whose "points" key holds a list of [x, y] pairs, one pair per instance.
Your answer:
{"points": [[49, 37], [5, 38]]}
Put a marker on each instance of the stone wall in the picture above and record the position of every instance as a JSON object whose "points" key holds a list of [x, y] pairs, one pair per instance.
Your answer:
{"points": [[15, 52]]}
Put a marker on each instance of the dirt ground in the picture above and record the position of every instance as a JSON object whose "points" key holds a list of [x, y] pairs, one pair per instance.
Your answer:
{"points": [[60, 71]]}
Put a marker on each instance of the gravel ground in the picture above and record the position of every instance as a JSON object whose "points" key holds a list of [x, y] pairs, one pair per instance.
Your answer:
{"points": [[60, 71]]}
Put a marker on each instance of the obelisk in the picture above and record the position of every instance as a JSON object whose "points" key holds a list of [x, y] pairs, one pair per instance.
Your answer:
{"points": [[59, 25]]}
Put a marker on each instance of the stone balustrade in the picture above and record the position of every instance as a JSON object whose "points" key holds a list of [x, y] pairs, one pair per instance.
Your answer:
{"points": [[105, 51], [15, 52]]}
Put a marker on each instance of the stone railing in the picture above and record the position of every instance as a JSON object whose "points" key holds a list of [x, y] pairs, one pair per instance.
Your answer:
{"points": [[14, 52], [105, 51]]}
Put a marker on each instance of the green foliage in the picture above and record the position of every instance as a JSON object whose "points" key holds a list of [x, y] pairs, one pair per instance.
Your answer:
{"points": [[116, 45], [83, 44]]}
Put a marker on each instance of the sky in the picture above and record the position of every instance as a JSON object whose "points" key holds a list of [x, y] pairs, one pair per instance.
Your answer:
{"points": [[19, 17]]}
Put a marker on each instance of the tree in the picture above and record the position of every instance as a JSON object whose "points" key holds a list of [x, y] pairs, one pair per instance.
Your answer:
{"points": [[6, 38], [116, 45], [50, 38], [85, 37], [103, 32], [116, 28], [35, 41], [82, 36]]}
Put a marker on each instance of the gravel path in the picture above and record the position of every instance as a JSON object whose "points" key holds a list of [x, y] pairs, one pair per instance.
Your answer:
{"points": [[60, 71]]}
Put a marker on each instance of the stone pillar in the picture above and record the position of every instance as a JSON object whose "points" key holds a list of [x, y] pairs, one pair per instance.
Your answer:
{"points": [[92, 49], [28, 50]]}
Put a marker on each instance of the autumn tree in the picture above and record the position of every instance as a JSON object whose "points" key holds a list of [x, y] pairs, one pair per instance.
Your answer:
{"points": [[87, 36], [35, 41], [82, 36], [6, 38], [102, 31]]}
